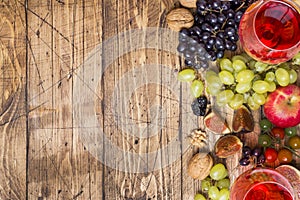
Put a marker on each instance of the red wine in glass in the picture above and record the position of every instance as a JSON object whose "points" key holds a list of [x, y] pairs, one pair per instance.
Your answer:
{"points": [[270, 31], [268, 191]]}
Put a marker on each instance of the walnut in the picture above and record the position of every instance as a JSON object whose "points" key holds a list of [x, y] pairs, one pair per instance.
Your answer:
{"points": [[188, 3], [179, 18], [199, 138], [199, 166]]}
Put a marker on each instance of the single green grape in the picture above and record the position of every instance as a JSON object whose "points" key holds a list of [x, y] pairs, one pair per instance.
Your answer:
{"points": [[264, 140], [282, 76], [296, 59], [206, 184], [293, 76], [224, 96], [226, 77], [226, 64], [238, 65], [237, 101], [260, 67], [243, 87], [197, 88], [259, 98], [270, 76], [272, 86], [210, 89], [186, 75], [224, 194], [223, 183], [265, 124], [243, 57], [225, 174], [213, 193], [245, 76], [252, 104], [218, 171], [214, 84], [260, 86], [199, 197], [251, 64], [210, 73], [214, 81]]}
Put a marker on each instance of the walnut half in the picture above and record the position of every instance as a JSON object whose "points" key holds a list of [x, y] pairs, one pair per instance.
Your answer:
{"points": [[198, 138], [179, 18]]}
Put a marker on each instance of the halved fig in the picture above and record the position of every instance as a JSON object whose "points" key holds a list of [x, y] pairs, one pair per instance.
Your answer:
{"points": [[199, 166], [216, 123], [242, 121], [228, 145], [292, 174]]}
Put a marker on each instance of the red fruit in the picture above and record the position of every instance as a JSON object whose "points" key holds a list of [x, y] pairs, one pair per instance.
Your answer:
{"points": [[292, 174], [282, 106], [278, 132], [270, 155]]}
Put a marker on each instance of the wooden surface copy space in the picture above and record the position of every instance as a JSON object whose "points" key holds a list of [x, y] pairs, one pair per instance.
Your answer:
{"points": [[90, 104]]}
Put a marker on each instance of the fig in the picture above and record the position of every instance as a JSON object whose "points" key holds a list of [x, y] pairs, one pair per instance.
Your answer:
{"points": [[242, 121], [199, 166], [227, 146], [216, 123], [293, 176]]}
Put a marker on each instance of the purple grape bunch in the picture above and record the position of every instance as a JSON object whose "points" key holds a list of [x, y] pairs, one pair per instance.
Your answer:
{"points": [[215, 30], [251, 155]]}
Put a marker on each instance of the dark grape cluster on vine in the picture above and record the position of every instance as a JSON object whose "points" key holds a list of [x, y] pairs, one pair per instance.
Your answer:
{"points": [[215, 30], [251, 154]]}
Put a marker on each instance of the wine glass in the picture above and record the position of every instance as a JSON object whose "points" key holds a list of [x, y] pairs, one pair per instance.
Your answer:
{"points": [[270, 30], [262, 184]]}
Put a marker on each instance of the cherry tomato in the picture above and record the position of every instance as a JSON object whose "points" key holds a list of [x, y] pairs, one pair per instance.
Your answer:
{"points": [[271, 155], [294, 142], [278, 132], [285, 156], [264, 140], [265, 124], [290, 131]]}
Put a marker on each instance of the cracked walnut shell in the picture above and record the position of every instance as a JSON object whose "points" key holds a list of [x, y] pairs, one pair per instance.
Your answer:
{"points": [[188, 3], [179, 18], [200, 165]]}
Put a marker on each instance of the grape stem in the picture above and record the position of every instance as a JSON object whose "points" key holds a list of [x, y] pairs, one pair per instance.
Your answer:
{"points": [[242, 5]]}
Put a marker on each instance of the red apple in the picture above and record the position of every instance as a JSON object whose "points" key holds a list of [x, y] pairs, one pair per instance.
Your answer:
{"points": [[282, 106]]}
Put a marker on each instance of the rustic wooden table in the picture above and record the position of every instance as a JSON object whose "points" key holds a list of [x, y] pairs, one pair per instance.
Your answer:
{"points": [[90, 106]]}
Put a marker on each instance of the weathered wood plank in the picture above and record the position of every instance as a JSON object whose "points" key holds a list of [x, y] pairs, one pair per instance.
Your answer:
{"points": [[59, 164], [12, 104], [132, 129]]}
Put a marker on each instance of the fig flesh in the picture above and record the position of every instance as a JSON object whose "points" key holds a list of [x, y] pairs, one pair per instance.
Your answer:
{"points": [[293, 176], [216, 123], [227, 146], [242, 121]]}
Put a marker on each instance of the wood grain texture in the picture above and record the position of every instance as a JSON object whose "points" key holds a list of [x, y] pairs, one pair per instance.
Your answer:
{"points": [[90, 106], [12, 110]]}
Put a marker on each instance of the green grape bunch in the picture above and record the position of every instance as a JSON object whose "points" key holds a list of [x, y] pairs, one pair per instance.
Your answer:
{"points": [[243, 80]]}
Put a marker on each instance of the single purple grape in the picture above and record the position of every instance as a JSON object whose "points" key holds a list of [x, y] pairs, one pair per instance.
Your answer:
{"points": [[256, 152], [244, 161], [246, 151], [261, 159]]}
